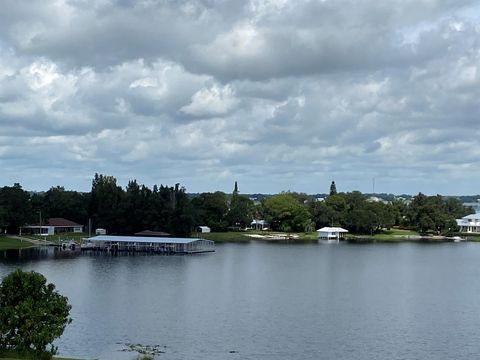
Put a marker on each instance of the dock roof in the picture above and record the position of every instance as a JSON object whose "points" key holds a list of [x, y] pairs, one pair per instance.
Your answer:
{"points": [[140, 239], [332, 229]]}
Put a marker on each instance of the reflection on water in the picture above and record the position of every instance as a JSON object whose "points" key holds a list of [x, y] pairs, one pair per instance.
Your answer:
{"points": [[270, 301], [40, 253]]}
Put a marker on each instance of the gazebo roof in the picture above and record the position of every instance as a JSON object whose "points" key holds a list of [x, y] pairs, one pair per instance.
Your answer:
{"points": [[333, 230]]}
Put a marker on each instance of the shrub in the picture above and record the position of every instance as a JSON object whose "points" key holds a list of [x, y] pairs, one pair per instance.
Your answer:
{"points": [[32, 314]]}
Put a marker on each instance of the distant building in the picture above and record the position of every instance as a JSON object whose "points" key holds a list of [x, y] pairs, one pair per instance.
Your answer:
{"points": [[259, 225], [331, 233], [202, 229], [377, 199], [100, 231], [53, 226], [469, 223]]}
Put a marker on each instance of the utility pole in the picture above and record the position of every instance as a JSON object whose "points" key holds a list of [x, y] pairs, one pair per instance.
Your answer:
{"points": [[41, 233]]}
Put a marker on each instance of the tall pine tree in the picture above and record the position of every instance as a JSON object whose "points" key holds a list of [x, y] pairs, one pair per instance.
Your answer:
{"points": [[333, 188]]}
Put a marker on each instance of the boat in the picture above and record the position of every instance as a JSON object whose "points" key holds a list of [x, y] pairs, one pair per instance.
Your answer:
{"points": [[456, 239], [69, 245]]}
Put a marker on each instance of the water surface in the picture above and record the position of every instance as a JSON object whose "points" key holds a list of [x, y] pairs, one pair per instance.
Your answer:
{"points": [[272, 301]]}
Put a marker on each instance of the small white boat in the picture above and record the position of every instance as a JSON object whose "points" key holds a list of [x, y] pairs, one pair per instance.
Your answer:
{"points": [[87, 246]]}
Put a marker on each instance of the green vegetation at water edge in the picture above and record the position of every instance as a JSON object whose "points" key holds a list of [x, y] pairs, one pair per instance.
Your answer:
{"points": [[7, 243]]}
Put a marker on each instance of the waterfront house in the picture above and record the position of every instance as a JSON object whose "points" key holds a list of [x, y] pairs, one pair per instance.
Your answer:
{"points": [[53, 226], [469, 223], [331, 233]]}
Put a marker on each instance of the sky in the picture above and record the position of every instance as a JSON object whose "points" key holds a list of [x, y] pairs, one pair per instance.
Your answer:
{"points": [[277, 95]]}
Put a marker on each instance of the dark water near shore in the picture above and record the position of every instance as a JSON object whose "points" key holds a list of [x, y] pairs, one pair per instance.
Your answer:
{"points": [[272, 301]]}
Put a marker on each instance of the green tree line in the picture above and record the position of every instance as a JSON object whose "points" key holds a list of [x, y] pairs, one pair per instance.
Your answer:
{"points": [[169, 208]]}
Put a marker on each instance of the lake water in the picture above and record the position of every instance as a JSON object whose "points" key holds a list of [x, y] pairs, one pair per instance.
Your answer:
{"points": [[272, 301]]}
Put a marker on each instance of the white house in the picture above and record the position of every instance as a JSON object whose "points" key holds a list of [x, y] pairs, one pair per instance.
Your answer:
{"points": [[469, 223], [329, 233], [203, 229], [259, 225]]}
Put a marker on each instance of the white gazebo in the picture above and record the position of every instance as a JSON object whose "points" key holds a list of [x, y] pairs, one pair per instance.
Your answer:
{"points": [[331, 233]]}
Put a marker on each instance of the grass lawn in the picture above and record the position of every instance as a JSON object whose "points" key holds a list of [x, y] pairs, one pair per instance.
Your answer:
{"points": [[471, 237], [224, 236], [395, 235], [387, 235], [401, 232], [7, 243]]}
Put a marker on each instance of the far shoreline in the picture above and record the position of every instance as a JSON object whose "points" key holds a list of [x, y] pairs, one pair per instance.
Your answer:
{"points": [[12, 242]]}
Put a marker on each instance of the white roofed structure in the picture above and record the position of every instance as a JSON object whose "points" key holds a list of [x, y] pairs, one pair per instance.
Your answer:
{"points": [[331, 233], [149, 244], [203, 229]]}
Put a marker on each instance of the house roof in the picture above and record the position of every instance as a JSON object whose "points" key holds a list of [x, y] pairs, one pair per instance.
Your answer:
{"points": [[151, 233], [333, 230], [61, 222], [472, 217]]}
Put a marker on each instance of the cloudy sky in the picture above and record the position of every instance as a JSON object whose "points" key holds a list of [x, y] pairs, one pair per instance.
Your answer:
{"points": [[276, 94]]}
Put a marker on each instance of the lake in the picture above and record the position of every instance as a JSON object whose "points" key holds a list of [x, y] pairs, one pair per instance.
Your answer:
{"points": [[273, 301]]}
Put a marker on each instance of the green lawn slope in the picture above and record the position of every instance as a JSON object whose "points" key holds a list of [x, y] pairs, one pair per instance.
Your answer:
{"points": [[7, 243]]}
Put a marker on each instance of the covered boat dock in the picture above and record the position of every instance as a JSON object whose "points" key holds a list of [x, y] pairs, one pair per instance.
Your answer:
{"points": [[161, 245]]}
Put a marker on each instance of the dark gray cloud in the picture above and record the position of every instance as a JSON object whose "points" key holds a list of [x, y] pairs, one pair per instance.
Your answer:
{"points": [[275, 94]]}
